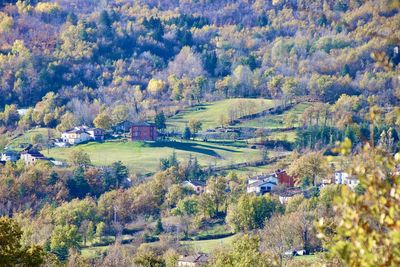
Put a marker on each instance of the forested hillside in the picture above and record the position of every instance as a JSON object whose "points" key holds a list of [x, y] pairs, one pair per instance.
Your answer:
{"points": [[302, 93], [70, 60]]}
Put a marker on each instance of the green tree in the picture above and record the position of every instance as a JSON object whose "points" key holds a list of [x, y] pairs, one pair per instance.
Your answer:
{"points": [[195, 126], [12, 253], [159, 227], [120, 173], [63, 238], [90, 232], [187, 206], [187, 134], [245, 252], [147, 256], [100, 229], [79, 158], [160, 121], [250, 212]]}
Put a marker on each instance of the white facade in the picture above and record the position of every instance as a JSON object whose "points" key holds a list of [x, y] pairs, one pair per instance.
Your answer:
{"points": [[261, 187], [75, 137], [345, 179]]}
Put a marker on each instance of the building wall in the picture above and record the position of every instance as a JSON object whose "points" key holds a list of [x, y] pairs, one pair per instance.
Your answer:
{"points": [[143, 133]]}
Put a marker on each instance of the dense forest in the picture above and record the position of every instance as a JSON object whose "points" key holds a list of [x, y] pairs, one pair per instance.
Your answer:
{"points": [[65, 63]]}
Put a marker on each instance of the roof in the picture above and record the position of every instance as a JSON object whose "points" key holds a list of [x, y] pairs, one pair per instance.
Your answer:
{"points": [[124, 122], [33, 153], [289, 192], [197, 258], [10, 153], [81, 129], [260, 183], [195, 182], [141, 124]]}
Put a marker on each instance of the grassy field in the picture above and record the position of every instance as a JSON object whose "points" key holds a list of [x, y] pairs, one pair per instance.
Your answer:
{"points": [[144, 157], [208, 246], [93, 252], [209, 114], [26, 138], [275, 121]]}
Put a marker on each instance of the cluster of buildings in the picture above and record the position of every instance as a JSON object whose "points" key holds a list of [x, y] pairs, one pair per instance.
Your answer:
{"points": [[29, 155], [265, 183], [142, 131], [283, 185]]}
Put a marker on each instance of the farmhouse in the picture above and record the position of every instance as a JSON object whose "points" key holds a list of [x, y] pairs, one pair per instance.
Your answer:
{"points": [[261, 187], [31, 156], [198, 186], [143, 132], [196, 260], [82, 134], [265, 183]]}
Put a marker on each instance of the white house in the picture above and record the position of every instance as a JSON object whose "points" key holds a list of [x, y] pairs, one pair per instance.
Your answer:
{"points": [[261, 187], [344, 178], [82, 134], [262, 184], [31, 156]]}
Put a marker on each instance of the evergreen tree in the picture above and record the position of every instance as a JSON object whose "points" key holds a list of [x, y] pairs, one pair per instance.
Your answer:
{"points": [[187, 134], [159, 227], [160, 121]]}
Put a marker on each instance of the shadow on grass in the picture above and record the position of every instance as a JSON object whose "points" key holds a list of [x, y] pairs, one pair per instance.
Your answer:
{"points": [[191, 147]]}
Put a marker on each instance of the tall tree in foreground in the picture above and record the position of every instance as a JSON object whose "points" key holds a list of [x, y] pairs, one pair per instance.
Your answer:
{"points": [[12, 253], [367, 232]]}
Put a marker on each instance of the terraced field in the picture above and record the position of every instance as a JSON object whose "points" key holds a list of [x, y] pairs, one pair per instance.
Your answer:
{"points": [[210, 113]]}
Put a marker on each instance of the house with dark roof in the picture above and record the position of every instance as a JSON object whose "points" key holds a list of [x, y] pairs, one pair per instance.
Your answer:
{"points": [[82, 134], [198, 186], [196, 260], [31, 156], [143, 131]]}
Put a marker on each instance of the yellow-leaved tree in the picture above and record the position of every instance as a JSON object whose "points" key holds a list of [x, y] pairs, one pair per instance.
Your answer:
{"points": [[367, 229]]}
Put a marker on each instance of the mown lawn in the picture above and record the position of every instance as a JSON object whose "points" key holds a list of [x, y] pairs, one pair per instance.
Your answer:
{"points": [[145, 157], [275, 121], [210, 113], [208, 246]]}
